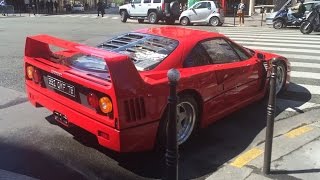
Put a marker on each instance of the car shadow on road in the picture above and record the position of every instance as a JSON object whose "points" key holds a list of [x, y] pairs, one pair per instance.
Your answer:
{"points": [[209, 149], [21, 160]]}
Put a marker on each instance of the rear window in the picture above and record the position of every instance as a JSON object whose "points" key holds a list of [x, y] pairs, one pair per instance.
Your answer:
{"points": [[87, 62], [146, 51]]}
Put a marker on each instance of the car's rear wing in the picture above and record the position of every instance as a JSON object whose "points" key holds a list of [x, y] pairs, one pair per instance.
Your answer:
{"points": [[123, 73]]}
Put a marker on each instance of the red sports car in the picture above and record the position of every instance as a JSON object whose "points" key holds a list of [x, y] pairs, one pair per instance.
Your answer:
{"points": [[118, 90]]}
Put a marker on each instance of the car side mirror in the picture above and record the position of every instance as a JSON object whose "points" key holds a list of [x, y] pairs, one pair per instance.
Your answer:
{"points": [[261, 56]]}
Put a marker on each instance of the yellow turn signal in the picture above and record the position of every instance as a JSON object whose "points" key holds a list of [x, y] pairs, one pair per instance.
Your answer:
{"points": [[105, 105], [30, 70]]}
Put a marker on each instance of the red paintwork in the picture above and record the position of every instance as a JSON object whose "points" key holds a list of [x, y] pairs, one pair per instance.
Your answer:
{"points": [[221, 89]]}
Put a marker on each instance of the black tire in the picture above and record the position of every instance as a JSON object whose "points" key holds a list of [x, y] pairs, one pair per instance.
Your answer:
{"points": [[140, 20], [304, 29], [170, 21], [185, 21], [220, 24], [124, 16], [281, 68], [278, 24], [153, 18], [214, 21], [161, 137]]}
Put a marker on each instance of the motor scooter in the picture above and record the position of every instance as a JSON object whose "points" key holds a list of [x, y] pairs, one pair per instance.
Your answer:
{"points": [[285, 18], [312, 21]]}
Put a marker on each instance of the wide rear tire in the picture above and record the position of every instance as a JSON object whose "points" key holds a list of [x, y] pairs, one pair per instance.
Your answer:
{"points": [[153, 18]]}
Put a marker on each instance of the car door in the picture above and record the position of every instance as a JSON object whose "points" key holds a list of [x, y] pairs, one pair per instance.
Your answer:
{"points": [[135, 9], [146, 4], [200, 11], [203, 78], [238, 76]]}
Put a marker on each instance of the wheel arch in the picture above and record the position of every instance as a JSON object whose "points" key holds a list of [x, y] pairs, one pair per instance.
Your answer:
{"points": [[151, 10]]}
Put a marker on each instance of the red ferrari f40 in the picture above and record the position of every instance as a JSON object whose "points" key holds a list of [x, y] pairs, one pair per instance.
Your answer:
{"points": [[118, 90]]}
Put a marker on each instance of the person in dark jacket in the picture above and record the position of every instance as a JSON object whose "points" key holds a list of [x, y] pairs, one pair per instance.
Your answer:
{"points": [[56, 5], [100, 8]]}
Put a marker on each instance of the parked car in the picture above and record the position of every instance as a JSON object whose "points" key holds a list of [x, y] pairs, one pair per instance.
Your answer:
{"points": [[308, 5], [118, 90], [77, 8], [152, 10], [203, 12]]}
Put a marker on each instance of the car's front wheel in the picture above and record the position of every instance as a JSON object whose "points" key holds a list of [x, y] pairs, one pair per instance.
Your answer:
{"points": [[281, 77], [124, 16], [153, 18], [278, 24], [185, 21]]}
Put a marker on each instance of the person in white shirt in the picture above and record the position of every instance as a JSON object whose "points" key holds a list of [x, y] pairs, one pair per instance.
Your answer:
{"points": [[240, 12]]}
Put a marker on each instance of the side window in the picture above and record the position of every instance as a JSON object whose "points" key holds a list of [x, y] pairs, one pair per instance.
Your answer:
{"points": [[136, 1], [146, 1], [156, 1], [209, 5], [197, 57], [220, 51], [201, 5], [243, 55]]}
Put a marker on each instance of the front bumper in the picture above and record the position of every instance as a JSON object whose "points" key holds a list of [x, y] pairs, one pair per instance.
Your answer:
{"points": [[140, 138]]}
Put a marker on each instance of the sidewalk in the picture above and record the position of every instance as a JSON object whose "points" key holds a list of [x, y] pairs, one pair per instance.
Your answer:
{"points": [[296, 153], [252, 21]]}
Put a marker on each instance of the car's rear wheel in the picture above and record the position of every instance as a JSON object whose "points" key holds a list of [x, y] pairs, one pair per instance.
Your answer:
{"points": [[278, 24], [185, 21], [140, 20], [187, 121], [124, 16], [306, 27], [214, 21], [281, 77], [153, 18]]}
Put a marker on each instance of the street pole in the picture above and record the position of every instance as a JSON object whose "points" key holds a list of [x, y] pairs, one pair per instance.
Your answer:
{"points": [[234, 13], [270, 118], [172, 153]]}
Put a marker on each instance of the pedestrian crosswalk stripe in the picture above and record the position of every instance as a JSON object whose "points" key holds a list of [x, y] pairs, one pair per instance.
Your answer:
{"points": [[281, 44], [105, 17], [308, 75], [262, 40], [294, 50], [274, 37], [304, 88], [298, 56], [294, 106], [84, 16], [307, 65], [115, 18]]}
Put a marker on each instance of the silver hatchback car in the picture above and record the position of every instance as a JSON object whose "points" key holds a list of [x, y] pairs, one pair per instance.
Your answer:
{"points": [[203, 12]]}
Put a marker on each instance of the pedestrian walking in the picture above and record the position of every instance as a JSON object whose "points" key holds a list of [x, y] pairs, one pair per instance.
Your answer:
{"points": [[240, 12], [100, 8], [48, 7], [56, 5], [51, 6]]}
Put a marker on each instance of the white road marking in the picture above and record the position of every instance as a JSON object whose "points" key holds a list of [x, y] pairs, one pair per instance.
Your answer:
{"points": [[304, 88], [296, 45], [262, 40], [105, 17], [115, 18], [296, 56], [309, 75], [84, 16], [271, 37], [292, 50], [307, 65], [295, 106]]}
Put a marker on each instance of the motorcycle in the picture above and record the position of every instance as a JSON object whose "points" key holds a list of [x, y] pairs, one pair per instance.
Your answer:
{"points": [[284, 18], [312, 22]]}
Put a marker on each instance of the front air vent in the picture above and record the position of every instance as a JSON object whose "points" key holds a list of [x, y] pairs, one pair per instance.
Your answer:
{"points": [[135, 109]]}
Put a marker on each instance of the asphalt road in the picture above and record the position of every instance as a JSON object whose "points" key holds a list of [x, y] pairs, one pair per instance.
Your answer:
{"points": [[33, 145]]}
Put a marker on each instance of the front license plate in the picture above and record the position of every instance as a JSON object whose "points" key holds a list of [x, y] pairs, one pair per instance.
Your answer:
{"points": [[61, 86]]}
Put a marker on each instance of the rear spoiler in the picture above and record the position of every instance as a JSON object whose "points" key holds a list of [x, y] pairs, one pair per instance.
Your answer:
{"points": [[123, 73]]}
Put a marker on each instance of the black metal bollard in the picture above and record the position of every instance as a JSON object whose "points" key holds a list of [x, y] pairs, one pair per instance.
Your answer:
{"points": [[172, 152], [270, 118], [262, 12]]}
